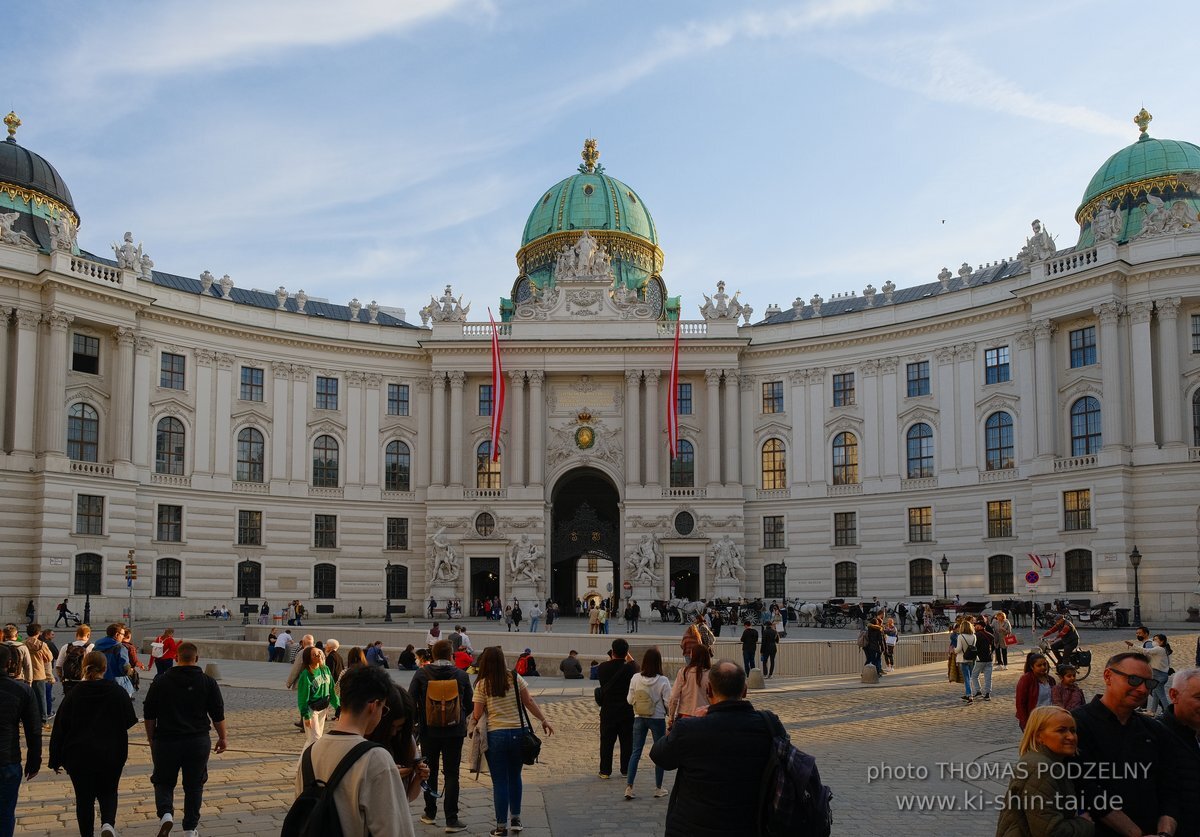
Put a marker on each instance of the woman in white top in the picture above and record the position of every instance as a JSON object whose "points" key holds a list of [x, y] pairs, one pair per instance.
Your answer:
{"points": [[688, 697], [966, 640], [649, 694], [1159, 652]]}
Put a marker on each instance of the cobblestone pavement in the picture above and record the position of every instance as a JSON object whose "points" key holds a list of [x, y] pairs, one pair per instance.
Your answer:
{"points": [[879, 748]]}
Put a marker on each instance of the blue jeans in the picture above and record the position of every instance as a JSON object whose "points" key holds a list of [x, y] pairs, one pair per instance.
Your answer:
{"points": [[39, 696], [657, 727], [966, 676], [875, 658], [747, 660], [49, 697], [984, 670], [504, 763], [533, 624], [10, 784], [1157, 701]]}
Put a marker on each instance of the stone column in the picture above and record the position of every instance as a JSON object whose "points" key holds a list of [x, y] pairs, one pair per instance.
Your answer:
{"points": [[54, 383], [818, 450], [202, 444], [516, 428], [424, 434], [537, 427], [438, 435], [1027, 422], [1113, 427], [798, 466], [712, 426], [1143, 379], [869, 454], [944, 459], [653, 427], [1047, 414], [301, 445], [888, 411], [732, 431], [633, 424], [750, 464], [458, 379], [24, 388], [5, 313], [122, 396], [353, 467], [280, 401], [372, 450], [964, 431], [143, 368], [1169, 389], [222, 459]]}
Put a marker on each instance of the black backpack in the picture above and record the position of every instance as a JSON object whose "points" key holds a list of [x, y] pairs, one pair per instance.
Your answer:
{"points": [[72, 667], [792, 800], [313, 813]]}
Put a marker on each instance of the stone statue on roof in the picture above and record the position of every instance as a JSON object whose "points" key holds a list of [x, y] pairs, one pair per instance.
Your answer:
{"points": [[1039, 246], [129, 257], [9, 234], [586, 259], [1106, 223], [447, 309], [721, 306]]}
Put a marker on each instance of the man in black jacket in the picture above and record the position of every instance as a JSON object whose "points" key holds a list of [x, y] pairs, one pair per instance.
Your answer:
{"points": [[616, 715], [1182, 721], [179, 706], [444, 743], [709, 799], [17, 710]]}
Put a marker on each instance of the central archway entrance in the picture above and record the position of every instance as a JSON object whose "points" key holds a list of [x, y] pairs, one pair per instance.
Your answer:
{"points": [[585, 541]]}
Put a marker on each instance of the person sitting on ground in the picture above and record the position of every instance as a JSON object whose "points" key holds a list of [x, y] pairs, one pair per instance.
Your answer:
{"points": [[423, 657], [570, 667], [594, 670], [407, 661], [527, 665], [463, 659], [375, 655]]}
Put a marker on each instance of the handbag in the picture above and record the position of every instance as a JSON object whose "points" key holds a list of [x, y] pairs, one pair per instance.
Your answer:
{"points": [[317, 704], [531, 745], [1010, 639]]}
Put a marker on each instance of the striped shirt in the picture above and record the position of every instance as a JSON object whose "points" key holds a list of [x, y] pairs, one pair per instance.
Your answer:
{"points": [[502, 711]]}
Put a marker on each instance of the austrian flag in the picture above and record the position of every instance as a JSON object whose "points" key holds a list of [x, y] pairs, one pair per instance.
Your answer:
{"points": [[497, 389]]}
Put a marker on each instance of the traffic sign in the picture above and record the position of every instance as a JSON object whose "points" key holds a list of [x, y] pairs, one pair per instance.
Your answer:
{"points": [[627, 585], [1032, 577]]}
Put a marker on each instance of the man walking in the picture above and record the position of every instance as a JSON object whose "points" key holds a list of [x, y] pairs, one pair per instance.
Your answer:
{"points": [[116, 656], [69, 664], [443, 695], [47, 637], [635, 610], [708, 798], [17, 710], [616, 715], [749, 643], [370, 798], [535, 618], [43, 669], [63, 610], [180, 703], [24, 664]]}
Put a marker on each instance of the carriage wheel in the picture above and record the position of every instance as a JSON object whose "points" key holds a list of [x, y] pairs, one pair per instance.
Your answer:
{"points": [[1108, 621], [840, 620]]}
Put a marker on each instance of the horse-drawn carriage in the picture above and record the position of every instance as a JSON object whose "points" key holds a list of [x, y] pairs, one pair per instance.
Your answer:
{"points": [[677, 610]]}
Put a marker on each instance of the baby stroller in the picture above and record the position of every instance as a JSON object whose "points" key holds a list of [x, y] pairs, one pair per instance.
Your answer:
{"points": [[73, 619]]}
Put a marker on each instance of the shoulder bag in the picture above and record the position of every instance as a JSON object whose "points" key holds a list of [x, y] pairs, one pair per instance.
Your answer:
{"points": [[531, 745]]}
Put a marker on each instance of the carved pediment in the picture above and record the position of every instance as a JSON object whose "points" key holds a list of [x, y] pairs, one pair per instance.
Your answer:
{"points": [[333, 428], [996, 402], [83, 392], [252, 415], [921, 413], [842, 424], [170, 404], [770, 429], [1077, 389]]}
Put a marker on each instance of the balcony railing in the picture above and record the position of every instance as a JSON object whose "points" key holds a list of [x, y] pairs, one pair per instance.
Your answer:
{"points": [[683, 492], [1074, 463], [95, 271], [179, 481], [485, 493], [1071, 262], [94, 469], [251, 488], [331, 493], [999, 475], [774, 493], [844, 490], [918, 484]]}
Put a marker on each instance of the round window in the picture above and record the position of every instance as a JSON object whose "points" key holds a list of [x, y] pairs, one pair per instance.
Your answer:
{"points": [[685, 523], [485, 524], [588, 189]]}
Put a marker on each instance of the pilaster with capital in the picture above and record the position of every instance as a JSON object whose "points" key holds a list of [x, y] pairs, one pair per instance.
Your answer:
{"points": [[371, 422], [732, 430], [280, 438], [633, 424], [537, 426], [888, 407], [946, 394], [54, 383], [143, 381], [816, 429], [797, 448], [354, 431], [25, 368], [301, 408], [223, 424], [1169, 383], [122, 395], [1026, 421], [438, 434], [712, 425], [5, 314], [962, 430], [653, 423], [1047, 408], [870, 454], [457, 379], [1113, 429], [424, 433], [1141, 357], [206, 406], [516, 428], [745, 386]]}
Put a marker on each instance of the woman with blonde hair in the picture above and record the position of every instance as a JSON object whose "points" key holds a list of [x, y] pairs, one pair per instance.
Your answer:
{"points": [[965, 654], [1004, 630], [1040, 797], [90, 740]]}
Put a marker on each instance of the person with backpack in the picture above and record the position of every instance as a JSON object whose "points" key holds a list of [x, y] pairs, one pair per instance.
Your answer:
{"points": [[442, 693], [17, 711], [20, 662], [69, 664], [43, 668], [64, 612], [116, 656], [347, 785], [163, 651], [649, 694], [527, 665]]}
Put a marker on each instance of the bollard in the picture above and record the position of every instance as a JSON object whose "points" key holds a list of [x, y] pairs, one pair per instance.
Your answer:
{"points": [[212, 671], [755, 680], [870, 674]]}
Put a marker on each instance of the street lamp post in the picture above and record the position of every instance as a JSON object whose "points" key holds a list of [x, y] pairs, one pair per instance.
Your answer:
{"points": [[245, 568], [387, 592], [1135, 558], [945, 565]]}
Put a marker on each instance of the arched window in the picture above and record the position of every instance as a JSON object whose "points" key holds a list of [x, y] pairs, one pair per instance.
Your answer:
{"points": [[324, 581], [249, 580], [683, 466], [774, 576], [998, 441], [1085, 426], [397, 581], [920, 577], [845, 579], [1196, 419], [487, 472], [325, 462], [83, 433], [88, 567], [397, 467], [774, 465], [250, 455], [920, 451], [1079, 571], [168, 446], [1000, 575], [845, 459], [168, 577]]}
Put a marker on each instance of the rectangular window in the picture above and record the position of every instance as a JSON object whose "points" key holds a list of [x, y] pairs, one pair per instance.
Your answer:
{"points": [[252, 384], [397, 533], [995, 365], [1083, 347], [397, 400], [85, 353], [999, 519], [683, 398], [920, 524], [327, 393], [773, 532], [845, 528], [843, 389], [249, 531], [171, 371], [772, 397], [1196, 334], [170, 524], [485, 399], [1077, 510], [89, 515], [918, 378], [325, 531]]}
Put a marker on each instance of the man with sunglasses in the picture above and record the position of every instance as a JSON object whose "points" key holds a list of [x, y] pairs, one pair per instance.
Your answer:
{"points": [[1125, 780]]}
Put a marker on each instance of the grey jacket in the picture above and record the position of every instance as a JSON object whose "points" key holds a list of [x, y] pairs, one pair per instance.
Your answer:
{"points": [[1028, 809]]}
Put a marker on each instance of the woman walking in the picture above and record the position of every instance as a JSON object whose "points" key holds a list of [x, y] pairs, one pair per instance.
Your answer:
{"points": [[649, 694], [315, 694], [90, 740], [768, 648], [965, 653], [163, 651], [1003, 629], [1035, 688], [890, 637], [1039, 797], [1159, 652], [497, 691], [688, 698]]}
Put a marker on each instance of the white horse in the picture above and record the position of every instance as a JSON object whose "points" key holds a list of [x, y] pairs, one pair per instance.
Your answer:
{"points": [[808, 612], [687, 609]]}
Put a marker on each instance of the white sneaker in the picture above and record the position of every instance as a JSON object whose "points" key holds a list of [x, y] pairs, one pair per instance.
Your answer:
{"points": [[105, 828], [195, 832], [165, 825]]}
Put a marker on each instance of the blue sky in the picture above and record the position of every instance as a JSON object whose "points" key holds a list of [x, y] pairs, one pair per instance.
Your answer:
{"points": [[382, 149]]}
